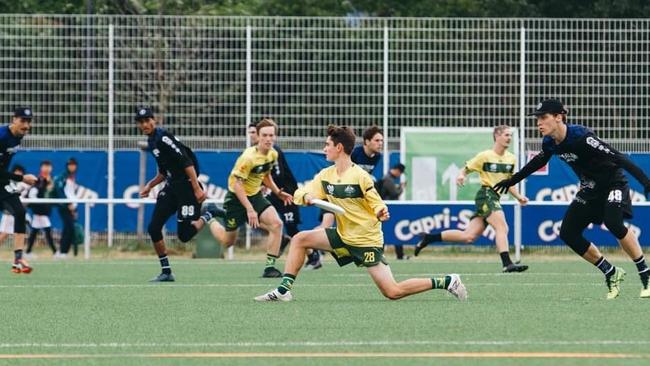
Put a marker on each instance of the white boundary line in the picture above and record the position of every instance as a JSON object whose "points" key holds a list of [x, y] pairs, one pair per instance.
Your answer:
{"points": [[265, 285]]}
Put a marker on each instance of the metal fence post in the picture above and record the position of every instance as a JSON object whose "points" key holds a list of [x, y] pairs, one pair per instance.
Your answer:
{"points": [[111, 151]]}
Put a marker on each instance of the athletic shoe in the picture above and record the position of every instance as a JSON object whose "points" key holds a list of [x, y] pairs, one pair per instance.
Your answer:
{"points": [[314, 261], [645, 293], [211, 211], [457, 288], [164, 277], [613, 283], [421, 244], [21, 266], [271, 272], [274, 295], [514, 268]]}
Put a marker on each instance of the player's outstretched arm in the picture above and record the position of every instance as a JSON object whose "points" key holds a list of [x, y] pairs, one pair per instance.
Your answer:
{"points": [[533, 165], [281, 194]]}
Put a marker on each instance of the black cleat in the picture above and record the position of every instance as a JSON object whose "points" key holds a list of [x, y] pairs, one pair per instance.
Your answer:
{"points": [[164, 277], [515, 268], [271, 272], [211, 211], [421, 244]]}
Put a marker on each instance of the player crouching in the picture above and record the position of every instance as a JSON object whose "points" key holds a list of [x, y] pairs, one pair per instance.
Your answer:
{"points": [[357, 237]]}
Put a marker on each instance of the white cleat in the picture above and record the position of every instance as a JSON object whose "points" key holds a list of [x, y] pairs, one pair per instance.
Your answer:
{"points": [[274, 296], [457, 288]]}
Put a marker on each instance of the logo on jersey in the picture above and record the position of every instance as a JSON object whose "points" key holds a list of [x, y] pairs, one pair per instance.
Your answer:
{"points": [[596, 144], [155, 152], [493, 167], [349, 190], [569, 157], [330, 189], [171, 144]]}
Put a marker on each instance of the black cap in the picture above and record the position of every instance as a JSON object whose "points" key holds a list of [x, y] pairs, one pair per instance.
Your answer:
{"points": [[23, 112], [143, 113], [553, 106], [400, 167], [72, 161]]}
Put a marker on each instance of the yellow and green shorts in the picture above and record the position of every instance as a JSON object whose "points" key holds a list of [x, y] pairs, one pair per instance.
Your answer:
{"points": [[346, 254], [487, 201]]}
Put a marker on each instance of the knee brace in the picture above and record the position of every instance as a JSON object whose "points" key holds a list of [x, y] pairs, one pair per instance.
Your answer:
{"points": [[614, 222], [186, 231], [574, 239], [155, 232], [20, 224]]}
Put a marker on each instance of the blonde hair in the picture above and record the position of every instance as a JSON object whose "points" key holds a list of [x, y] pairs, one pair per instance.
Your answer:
{"points": [[498, 130]]}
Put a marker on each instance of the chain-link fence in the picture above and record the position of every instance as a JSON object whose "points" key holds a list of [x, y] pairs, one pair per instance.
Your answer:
{"points": [[208, 76]]}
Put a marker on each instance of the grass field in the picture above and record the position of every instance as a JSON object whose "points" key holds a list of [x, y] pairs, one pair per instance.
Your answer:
{"points": [[105, 313]]}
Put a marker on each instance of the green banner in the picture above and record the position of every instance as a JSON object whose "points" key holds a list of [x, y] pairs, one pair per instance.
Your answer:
{"points": [[434, 157]]}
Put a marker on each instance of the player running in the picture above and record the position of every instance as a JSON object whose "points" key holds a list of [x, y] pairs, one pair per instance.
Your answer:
{"points": [[10, 139], [492, 165], [244, 202], [604, 195], [284, 179], [182, 194], [357, 237]]}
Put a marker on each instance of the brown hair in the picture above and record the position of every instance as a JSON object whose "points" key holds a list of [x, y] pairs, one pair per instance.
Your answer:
{"points": [[370, 132], [342, 135], [266, 122], [498, 130]]}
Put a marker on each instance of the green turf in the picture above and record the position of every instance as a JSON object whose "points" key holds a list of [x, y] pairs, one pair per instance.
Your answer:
{"points": [[108, 308]]}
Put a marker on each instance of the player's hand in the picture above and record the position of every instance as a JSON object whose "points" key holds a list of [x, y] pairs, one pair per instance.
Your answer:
{"points": [[286, 198], [200, 195], [502, 187], [307, 199], [253, 220], [144, 193], [30, 179], [523, 201], [460, 180], [383, 214]]}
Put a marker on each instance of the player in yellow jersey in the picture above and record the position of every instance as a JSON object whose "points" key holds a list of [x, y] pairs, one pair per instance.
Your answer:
{"points": [[357, 237], [492, 165], [245, 203]]}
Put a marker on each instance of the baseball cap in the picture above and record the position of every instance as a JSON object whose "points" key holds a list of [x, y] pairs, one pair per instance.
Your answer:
{"points": [[143, 112], [553, 106], [24, 112]]}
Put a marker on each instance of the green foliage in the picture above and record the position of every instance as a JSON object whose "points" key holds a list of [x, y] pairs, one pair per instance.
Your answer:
{"points": [[384, 8]]}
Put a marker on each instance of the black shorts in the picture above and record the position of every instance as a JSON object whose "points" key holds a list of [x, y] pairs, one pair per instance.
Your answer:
{"points": [[594, 204], [180, 196], [289, 214]]}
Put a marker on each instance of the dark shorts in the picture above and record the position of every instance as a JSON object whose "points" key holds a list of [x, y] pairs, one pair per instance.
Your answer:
{"points": [[236, 212], [594, 205], [180, 196], [486, 201], [346, 254], [289, 214]]}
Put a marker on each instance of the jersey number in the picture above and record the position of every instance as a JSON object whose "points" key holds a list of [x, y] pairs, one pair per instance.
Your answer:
{"points": [[187, 211], [369, 257], [288, 217], [615, 196]]}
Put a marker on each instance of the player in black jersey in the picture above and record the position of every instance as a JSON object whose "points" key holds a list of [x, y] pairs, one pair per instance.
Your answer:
{"points": [[182, 194], [604, 195], [10, 138]]}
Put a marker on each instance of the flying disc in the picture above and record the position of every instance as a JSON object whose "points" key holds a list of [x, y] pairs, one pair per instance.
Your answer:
{"points": [[328, 206]]}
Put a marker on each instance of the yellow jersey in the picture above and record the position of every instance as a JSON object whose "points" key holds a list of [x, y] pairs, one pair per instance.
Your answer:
{"points": [[251, 167], [355, 192], [492, 167]]}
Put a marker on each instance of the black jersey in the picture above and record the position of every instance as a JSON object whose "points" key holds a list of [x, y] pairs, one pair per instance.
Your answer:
{"points": [[172, 156], [598, 165], [281, 173], [8, 146]]}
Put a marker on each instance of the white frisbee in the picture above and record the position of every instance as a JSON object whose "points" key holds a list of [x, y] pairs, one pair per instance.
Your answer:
{"points": [[328, 206]]}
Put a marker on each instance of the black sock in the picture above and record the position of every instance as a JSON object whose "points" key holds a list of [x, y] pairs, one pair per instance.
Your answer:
{"points": [[431, 238], [644, 271], [164, 263], [605, 267], [505, 259], [18, 254]]}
